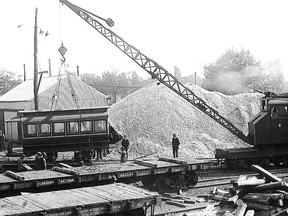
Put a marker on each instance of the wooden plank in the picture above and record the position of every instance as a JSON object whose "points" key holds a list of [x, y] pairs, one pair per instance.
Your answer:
{"points": [[266, 173], [137, 190], [110, 193], [271, 185], [145, 163], [6, 179], [43, 200], [89, 197], [14, 175], [68, 171], [43, 175], [173, 160], [65, 165], [241, 209], [121, 192], [99, 194], [8, 208], [27, 167], [67, 198], [25, 204]]}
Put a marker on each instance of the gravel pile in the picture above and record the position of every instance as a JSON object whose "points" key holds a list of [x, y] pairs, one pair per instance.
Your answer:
{"points": [[152, 114]]}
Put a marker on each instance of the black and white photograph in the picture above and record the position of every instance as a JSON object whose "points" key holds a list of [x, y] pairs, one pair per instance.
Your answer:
{"points": [[144, 108]]}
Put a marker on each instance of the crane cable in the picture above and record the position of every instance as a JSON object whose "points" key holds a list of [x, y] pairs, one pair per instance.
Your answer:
{"points": [[72, 91], [56, 93]]}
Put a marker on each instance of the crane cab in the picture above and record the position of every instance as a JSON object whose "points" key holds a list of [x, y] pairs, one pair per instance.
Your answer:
{"points": [[270, 126]]}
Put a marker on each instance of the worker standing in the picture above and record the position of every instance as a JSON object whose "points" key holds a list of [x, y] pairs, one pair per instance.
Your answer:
{"points": [[175, 145], [40, 161], [20, 163], [125, 144], [122, 153]]}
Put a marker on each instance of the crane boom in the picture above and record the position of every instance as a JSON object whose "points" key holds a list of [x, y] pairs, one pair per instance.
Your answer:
{"points": [[155, 70]]}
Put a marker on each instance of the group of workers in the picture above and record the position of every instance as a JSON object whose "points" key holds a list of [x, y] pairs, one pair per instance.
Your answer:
{"points": [[125, 147], [40, 158]]}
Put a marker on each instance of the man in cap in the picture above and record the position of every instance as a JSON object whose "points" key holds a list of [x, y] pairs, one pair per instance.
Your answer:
{"points": [[175, 145]]}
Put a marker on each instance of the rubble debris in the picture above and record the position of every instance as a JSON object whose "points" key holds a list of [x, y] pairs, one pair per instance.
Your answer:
{"points": [[261, 194]]}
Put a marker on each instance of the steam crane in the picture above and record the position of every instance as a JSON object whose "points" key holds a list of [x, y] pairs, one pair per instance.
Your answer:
{"points": [[153, 68], [267, 133]]}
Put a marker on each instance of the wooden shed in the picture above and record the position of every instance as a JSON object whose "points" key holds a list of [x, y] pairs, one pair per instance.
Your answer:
{"points": [[22, 96]]}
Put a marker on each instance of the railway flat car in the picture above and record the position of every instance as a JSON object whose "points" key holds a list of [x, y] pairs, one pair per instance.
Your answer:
{"points": [[113, 199], [82, 129], [165, 173]]}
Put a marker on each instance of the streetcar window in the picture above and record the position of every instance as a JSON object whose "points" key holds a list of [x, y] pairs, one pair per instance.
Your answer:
{"points": [[58, 129], [86, 127], [29, 130], [44, 130], [100, 126], [72, 127]]}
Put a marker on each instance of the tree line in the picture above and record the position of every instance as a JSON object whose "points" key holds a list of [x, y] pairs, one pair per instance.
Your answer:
{"points": [[234, 72]]}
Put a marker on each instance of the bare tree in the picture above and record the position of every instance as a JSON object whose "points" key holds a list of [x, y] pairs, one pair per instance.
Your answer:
{"points": [[7, 81]]}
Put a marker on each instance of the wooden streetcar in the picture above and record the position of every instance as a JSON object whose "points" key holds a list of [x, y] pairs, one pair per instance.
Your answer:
{"points": [[164, 172], [81, 130], [112, 199]]}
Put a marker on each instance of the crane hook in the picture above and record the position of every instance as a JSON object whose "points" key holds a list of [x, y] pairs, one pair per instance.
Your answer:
{"points": [[63, 59], [62, 51]]}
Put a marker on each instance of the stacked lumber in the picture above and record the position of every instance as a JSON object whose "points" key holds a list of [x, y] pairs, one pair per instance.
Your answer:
{"points": [[262, 194]]}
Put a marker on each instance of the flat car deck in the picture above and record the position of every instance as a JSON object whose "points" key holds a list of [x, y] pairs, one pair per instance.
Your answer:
{"points": [[98, 200], [96, 173]]}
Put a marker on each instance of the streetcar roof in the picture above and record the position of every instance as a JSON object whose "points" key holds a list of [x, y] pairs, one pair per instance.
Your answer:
{"points": [[62, 118], [42, 116]]}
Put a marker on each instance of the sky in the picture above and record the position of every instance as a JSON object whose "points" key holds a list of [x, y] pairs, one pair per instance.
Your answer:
{"points": [[188, 34]]}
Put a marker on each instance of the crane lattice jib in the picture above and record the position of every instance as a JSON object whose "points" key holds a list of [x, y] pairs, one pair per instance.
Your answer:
{"points": [[155, 70]]}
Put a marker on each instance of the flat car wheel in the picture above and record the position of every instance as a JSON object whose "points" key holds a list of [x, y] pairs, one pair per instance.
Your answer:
{"points": [[148, 181], [163, 182], [191, 179]]}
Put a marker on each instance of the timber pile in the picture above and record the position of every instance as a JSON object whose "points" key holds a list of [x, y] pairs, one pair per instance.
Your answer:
{"points": [[153, 113], [263, 194]]}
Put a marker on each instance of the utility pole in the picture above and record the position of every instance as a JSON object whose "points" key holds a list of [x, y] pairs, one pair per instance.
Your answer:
{"points": [[35, 64], [49, 61], [24, 67]]}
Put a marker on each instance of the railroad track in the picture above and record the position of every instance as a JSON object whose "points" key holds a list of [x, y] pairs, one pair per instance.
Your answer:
{"points": [[226, 178]]}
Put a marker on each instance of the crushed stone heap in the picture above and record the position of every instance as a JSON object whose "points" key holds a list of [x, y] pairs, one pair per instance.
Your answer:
{"points": [[153, 113]]}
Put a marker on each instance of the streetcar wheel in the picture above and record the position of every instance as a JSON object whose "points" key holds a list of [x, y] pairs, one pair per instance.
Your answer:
{"points": [[191, 179], [52, 156]]}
